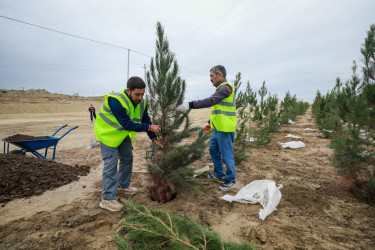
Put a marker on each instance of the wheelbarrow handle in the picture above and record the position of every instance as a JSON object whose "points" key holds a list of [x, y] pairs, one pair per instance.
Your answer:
{"points": [[68, 131], [60, 129]]}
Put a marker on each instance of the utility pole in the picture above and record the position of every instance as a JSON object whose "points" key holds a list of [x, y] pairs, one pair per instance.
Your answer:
{"points": [[144, 67], [128, 62]]}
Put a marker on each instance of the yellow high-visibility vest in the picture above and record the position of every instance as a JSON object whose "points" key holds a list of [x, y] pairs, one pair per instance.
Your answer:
{"points": [[107, 129], [223, 115]]}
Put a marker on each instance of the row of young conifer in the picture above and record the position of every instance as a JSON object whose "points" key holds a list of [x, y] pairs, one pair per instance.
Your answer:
{"points": [[260, 116], [347, 115]]}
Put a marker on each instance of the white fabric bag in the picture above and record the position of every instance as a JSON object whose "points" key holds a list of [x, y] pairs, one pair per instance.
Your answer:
{"points": [[293, 136], [292, 144], [264, 192]]}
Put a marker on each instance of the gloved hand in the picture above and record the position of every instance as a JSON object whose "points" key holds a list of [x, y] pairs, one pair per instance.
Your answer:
{"points": [[207, 128], [183, 107]]}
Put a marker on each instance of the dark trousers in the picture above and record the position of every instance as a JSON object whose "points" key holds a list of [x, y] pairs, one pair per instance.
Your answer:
{"points": [[92, 115]]}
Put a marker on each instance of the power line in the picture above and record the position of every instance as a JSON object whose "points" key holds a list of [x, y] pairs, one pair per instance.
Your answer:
{"points": [[87, 39], [194, 71], [204, 26], [211, 25], [68, 34], [49, 68]]}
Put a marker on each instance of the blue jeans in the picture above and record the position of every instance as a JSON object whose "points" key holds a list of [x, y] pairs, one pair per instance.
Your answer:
{"points": [[221, 146], [111, 177]]}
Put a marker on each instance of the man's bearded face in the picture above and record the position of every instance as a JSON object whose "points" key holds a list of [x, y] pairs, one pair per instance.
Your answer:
{"points": [[136, 95]]}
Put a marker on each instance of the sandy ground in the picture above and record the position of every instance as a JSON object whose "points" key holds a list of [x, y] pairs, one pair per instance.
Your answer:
{"points": [[314, 211]]}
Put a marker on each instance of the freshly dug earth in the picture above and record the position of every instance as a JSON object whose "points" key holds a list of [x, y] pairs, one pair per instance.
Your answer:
{"points": [[20, 137], [315, 212], [23, 176]]}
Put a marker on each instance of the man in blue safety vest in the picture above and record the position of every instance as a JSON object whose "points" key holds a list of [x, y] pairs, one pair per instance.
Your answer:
{"points": [[123, 114], [223, 120]]}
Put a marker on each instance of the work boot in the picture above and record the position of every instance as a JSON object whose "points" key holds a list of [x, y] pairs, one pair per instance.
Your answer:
{"points": [[111, 205], [129, 190], [227, 185], [213, 177]]}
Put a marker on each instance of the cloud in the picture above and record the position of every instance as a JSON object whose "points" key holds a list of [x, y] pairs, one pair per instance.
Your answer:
{"points": [[300, 46]]}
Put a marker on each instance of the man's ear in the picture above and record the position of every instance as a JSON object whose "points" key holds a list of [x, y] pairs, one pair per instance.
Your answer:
{"points": [[128, 91]]}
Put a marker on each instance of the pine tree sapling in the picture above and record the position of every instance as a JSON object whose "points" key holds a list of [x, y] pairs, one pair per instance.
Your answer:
{"points": [[290, 108], [158, 229], [266, 117], [240, 148], [368, 53], [287, 108], [353, 140], [169, 166]]}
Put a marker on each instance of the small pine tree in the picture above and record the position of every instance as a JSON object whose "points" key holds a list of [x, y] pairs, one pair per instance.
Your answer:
{"points": [[290, 108], [169, 166], [368, 53], [273, 113], [261, 112], [287, 108], [240, 146], [316, 106], [354, 154], [158, 229], [327, 113]]}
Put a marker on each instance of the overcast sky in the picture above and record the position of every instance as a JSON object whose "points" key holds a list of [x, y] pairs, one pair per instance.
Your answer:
{"points": [[296, 46]]}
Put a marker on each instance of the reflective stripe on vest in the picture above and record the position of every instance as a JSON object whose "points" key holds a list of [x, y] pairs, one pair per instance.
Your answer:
{"points": [[215, 112], [223, 115], [107, 129]]}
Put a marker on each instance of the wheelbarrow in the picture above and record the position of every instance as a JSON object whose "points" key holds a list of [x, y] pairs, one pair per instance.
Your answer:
{"points": [[33, 145]]}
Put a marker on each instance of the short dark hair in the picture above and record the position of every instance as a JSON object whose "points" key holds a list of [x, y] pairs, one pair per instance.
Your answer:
{"points": [[219, 69], [135, 82]]}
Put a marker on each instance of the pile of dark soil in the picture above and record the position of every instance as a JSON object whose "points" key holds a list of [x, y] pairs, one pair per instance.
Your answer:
{"points": [[20, 137], [23, 176]]}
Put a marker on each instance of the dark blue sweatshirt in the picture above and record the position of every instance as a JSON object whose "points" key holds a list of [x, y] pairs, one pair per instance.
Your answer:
{"points": [[221, 93], [120, 113]]}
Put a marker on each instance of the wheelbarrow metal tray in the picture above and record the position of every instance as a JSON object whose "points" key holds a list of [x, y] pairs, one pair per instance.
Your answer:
{"points": [[32, 146], [36, 144]]}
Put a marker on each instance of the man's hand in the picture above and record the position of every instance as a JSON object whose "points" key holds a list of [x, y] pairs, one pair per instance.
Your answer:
{"points": [[207, 128], [157, 142], [183, 107], [155, 128]]}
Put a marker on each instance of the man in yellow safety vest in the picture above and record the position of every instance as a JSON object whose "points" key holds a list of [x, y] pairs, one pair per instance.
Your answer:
{"points": [[123, 114], [223, 120]]}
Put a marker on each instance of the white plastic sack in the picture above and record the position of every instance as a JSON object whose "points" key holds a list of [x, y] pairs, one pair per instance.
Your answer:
{"points": [[365, 135], [92, 144], [292, 144], [251, 139], [364, 154], [293, 136], [290, 121], [326, 131], [264, 192]]}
